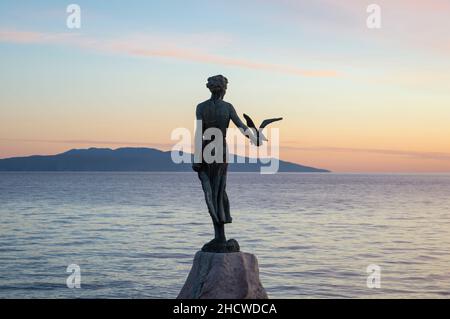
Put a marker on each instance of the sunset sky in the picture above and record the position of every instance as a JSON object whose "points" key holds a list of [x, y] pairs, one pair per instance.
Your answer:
{"points": [[353, 99]]}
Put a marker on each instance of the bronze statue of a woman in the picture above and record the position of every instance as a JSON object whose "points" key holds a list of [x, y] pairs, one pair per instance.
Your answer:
{"points": [[215, 113]]}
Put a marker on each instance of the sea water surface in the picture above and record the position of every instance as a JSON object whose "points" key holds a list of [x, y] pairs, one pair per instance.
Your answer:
{"points": [[134, 235]]}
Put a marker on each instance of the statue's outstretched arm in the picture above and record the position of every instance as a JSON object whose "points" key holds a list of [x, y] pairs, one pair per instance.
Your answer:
{"points": [[237, 121]]}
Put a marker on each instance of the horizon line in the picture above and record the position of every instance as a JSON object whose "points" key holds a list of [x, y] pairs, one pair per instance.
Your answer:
{"points": [[390, 152], [430, 155]]}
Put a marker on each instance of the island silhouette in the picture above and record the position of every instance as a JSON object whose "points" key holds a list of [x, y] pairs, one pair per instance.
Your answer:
{"points": [[127, 159]]}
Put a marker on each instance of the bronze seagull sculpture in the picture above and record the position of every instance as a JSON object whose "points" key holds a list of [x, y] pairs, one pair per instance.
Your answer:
{"points": [[258, 131]]}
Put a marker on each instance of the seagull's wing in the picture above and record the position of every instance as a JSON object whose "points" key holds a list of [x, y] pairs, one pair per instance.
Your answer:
{"points": [[249, 121], [268, 121]]}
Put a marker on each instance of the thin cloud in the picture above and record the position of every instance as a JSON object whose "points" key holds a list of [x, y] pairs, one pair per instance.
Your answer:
{"points": [[407, 24], [440, 156], [215, 59], [165, 49], [89, 142]]}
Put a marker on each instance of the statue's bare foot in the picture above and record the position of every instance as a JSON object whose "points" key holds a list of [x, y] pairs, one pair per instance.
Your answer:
{"points": [[221, 246], [215, 246], [233, 246]]}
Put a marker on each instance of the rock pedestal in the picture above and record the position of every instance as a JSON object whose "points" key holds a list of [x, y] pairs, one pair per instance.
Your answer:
{"points": [[223, 276]]}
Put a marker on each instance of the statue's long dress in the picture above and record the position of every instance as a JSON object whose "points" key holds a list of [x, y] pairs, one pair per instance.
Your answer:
{"points": [[214, 175]]}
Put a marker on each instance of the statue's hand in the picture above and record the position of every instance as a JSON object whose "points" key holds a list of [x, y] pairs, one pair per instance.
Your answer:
{"points": [[196, 167], [254, 140]]}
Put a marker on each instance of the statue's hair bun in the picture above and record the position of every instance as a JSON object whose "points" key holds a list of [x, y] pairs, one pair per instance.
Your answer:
{"points": [[217, 81]]}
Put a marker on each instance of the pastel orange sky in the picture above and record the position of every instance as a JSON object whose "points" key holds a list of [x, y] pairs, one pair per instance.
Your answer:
{"points": [[353, 99]]}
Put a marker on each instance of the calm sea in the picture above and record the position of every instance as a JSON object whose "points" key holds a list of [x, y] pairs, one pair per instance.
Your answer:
{"points": [[134, 234]]}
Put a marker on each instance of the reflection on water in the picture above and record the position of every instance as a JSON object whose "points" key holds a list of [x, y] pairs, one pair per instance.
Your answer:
{"points": [[135, 234]]}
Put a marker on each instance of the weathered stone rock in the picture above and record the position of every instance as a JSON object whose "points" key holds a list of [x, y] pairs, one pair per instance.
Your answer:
{"points": [[223, 276]]}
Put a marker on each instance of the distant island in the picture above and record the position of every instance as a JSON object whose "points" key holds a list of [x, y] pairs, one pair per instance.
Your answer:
{"points": [[126, 159]]}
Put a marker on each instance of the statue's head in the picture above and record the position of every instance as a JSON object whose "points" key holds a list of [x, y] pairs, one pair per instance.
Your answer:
{"points": [[217, 84]]}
